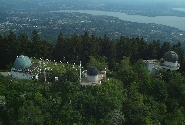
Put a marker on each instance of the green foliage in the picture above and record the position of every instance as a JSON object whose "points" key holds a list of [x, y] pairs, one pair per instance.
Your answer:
{"points": [[176, 117], [116, 117], [159, 90], [133, 107], [99, 63], [151, 101], [77, 48], [124, 72], [130, 95], [29, 114]]}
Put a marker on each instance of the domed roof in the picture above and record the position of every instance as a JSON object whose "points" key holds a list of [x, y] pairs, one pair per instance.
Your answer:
{"points": [[92, 71], [170, 56], [22, 62]]}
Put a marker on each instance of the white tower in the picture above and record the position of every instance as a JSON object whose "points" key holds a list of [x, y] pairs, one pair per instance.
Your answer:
{"points": [[80, 71]]}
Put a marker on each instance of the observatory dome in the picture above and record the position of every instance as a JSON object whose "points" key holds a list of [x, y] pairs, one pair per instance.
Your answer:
{"points": [[92, 71], [22, 62], [170, 56]]}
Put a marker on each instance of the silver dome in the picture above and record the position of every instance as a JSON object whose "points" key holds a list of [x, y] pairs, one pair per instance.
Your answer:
{"points": [[170, 56], [92, 71]]}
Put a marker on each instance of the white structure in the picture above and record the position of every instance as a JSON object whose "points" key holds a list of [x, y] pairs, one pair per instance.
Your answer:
{"points": [[22, 68], [80, 71], [56, 79], [168, 62], [92, 74], [19, 74]]}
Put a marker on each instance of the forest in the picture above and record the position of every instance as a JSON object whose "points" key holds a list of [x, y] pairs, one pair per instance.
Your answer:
{"points": [[129, 96]]}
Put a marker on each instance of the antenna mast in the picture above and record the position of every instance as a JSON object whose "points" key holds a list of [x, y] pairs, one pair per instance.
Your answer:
{"points": [[80, 71]]}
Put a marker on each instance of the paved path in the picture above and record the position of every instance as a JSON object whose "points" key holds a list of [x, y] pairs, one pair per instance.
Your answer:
{"points": [[5, 74]]}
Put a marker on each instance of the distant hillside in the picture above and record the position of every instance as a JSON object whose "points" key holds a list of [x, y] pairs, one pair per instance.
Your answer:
{"points": [[23, 17]]}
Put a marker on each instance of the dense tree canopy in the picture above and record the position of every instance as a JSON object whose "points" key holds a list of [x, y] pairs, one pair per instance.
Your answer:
{"points": [[77, 48], [129, 95]]}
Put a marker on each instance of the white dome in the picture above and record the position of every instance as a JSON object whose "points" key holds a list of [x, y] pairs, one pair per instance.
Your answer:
{"points": [[22, 62]]}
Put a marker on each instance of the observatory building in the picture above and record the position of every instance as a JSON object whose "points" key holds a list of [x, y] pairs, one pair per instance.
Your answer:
{"points": [[23, 68], [168, 62], [92, 76]]}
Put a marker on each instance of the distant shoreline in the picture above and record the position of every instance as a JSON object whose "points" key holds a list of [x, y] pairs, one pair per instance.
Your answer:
{"points": [[172, 21], [179, 9]]}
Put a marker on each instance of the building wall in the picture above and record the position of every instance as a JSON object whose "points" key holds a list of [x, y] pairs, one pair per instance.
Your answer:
{"points": [[20, 75], [149, 66], [170, 63], [92, 78]]}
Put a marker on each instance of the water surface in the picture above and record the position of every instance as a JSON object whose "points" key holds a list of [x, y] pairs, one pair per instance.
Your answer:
{"points": [[172, 21]]}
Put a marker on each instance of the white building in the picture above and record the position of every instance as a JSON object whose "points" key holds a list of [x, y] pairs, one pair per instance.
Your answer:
{"points": [[23, 68], [168, 62], [92, 76]]}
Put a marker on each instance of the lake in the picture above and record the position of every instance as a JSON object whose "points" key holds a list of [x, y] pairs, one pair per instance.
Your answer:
{"points": [[172, 21]]}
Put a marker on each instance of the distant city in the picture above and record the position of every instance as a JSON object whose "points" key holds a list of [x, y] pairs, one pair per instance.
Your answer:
{"points": [[24, 17]]}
